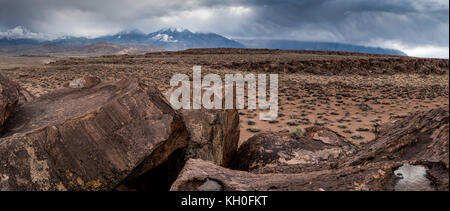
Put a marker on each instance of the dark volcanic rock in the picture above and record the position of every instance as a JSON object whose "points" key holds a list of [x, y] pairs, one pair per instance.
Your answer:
{"points": [[24, 96], [421, 136], [197, 173], [88, 139], [12, 95], [271, 152], [9, 98], [410, 154], [418, 139], [214, 134], [357, 64]]}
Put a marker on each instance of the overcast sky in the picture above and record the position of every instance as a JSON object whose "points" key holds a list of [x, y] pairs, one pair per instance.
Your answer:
{"points": [[417, 27]]}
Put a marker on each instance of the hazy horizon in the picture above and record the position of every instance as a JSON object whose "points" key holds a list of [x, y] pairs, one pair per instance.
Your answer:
{"points": [[418, 28]]}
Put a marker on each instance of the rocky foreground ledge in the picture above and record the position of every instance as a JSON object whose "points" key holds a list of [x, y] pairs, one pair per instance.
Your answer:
{"points": [[411, 154], [123, 135], [93, 138]]}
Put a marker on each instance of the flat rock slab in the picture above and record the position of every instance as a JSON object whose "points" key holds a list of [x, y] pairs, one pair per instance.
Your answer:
{"points": [[199, 175], [88, 139]]}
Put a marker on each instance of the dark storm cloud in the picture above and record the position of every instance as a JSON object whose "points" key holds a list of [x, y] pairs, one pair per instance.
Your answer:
{"points": [[408, 24], [422, 22]]}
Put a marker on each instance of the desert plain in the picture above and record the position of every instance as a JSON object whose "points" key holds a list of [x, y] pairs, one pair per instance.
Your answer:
{"points": [[350, 93]]}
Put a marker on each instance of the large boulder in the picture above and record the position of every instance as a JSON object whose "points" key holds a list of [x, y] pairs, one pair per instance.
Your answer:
{"points": [[89, 139], [213, 136], [9, 98], [273, 152], [214, 133]]}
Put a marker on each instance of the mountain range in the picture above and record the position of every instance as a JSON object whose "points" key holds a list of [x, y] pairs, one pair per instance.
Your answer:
{"points": [[95, 49], [20, 40], [322, 46]]}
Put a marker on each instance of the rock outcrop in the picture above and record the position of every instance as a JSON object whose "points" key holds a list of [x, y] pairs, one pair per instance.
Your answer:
{"points": [[214, 135], [420, 139], [89, 139], [9, 98], [124, 135], [410, 154], [354, 63], [12, 95], [203, 175], [270, 152]]}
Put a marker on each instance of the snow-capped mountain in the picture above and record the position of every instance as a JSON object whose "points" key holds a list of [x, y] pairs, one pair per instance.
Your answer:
{"points": [[125, 37], [173, 29], [164, 38], [20, 32], [172, 39], [179, 39]]}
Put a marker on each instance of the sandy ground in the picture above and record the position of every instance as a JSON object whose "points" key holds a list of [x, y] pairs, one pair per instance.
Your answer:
{"points": [[351, 104], [15, 62], [341, 115]]}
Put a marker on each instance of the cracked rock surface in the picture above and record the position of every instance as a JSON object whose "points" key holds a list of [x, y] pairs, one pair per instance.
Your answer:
{"points": [[88, 139]]}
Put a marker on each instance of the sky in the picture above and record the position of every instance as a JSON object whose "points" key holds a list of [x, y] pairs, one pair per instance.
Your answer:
{"points": [[417, 27]]}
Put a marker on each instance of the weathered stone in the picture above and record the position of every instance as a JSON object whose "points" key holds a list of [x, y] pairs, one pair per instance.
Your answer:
{"points": [[197, 174], [418, 139], [88, 139], [410, 154], [214, 134], [9, 98], [270, 152], [24, 96]]}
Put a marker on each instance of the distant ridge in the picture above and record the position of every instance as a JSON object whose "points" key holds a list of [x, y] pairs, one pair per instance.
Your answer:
{"points": [[96, 49], [172, 39], [19, 39], [323, 46]]}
